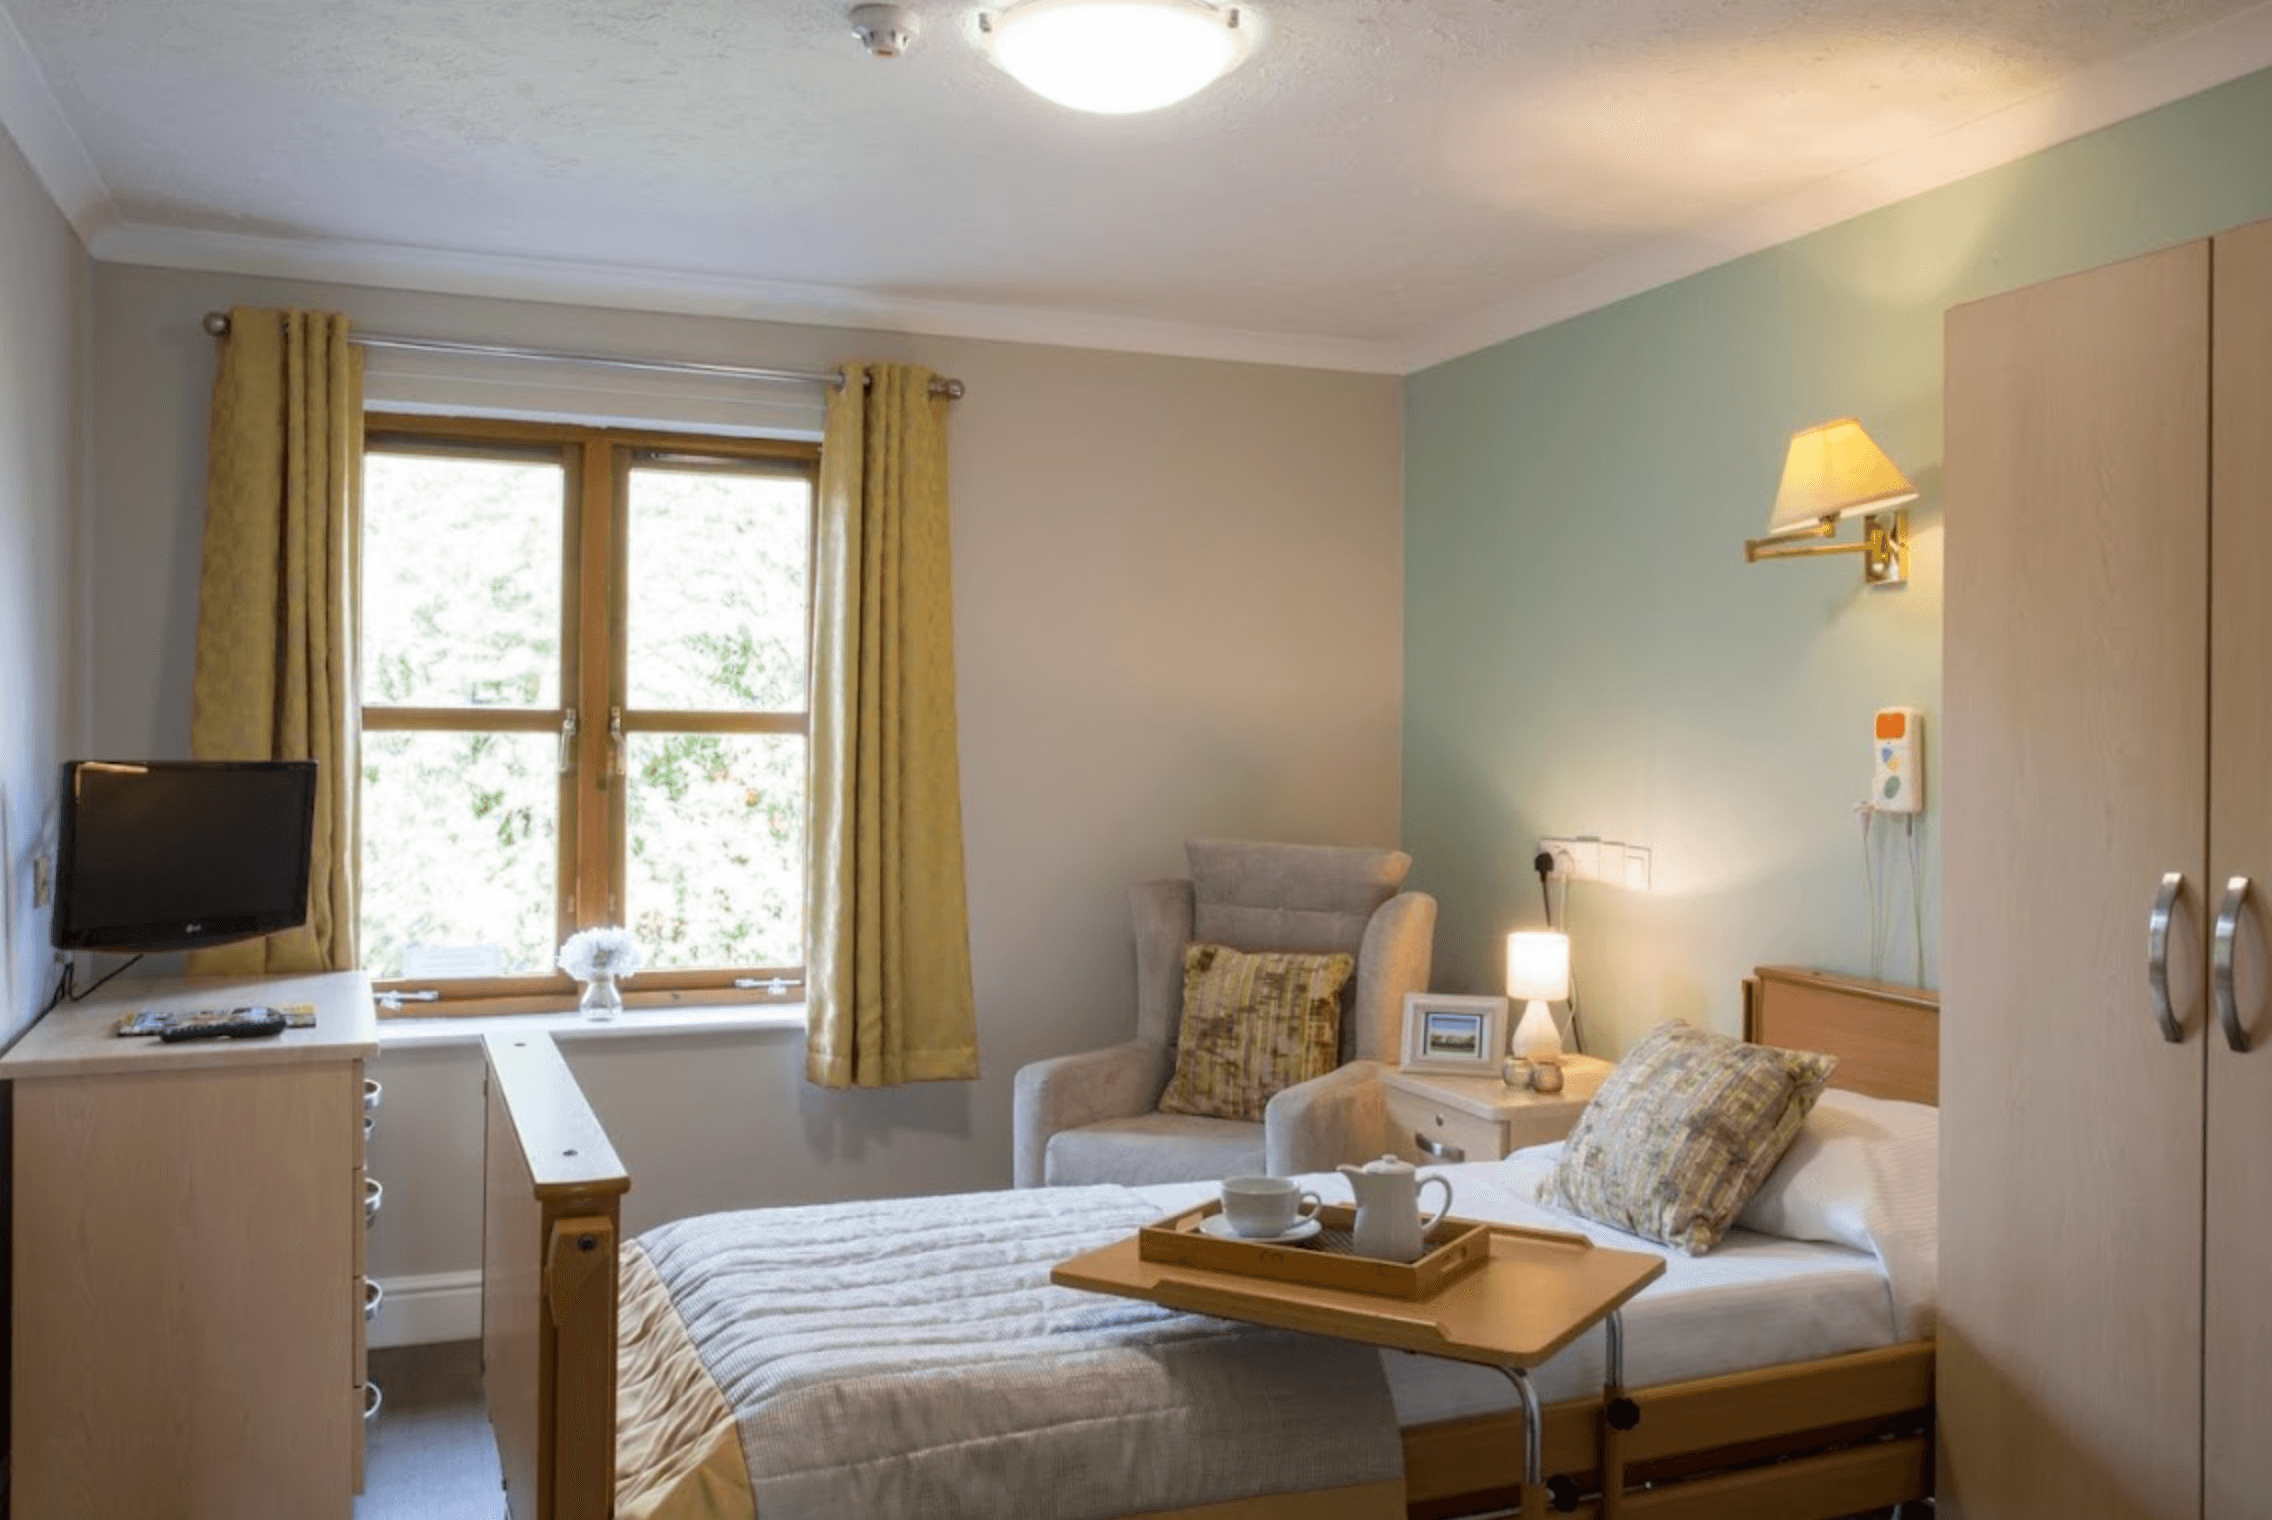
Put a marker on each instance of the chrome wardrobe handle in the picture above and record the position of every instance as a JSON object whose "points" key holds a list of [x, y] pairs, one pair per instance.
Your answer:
{"points": [[2221, 962], [2157, 955]]}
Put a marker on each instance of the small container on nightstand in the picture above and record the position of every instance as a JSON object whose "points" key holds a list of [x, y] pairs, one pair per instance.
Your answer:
{"points": [[1434, 1116]]}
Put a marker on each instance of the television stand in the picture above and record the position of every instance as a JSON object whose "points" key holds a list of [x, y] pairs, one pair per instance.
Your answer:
{"points": [[188, 1257]]}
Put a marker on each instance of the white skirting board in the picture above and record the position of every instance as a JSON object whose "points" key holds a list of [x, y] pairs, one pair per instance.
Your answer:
{"points": [[420, 1311]]}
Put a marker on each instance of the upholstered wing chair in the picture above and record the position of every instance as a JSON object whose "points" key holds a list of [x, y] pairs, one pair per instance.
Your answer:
{"points": [[1094, 1117]]}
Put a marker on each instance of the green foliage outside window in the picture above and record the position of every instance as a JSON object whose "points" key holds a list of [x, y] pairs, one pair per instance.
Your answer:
{"points": [[462, 609]]}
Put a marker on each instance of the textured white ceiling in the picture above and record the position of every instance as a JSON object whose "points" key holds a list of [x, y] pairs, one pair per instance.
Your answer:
{"points": [[1378, 170]]}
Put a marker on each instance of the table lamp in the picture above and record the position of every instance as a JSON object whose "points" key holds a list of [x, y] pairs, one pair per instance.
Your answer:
{"points": [[1538, 973]]}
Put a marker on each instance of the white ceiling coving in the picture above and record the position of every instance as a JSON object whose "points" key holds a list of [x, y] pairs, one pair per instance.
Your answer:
{"points": [[1383, 184]]}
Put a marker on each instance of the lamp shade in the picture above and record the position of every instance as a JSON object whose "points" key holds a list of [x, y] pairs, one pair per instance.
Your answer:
{"points": [[1832, 471], [1538, 966], [1116, 57]]}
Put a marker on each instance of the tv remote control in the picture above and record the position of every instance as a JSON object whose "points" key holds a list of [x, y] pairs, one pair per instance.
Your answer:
{"points": [[244, 1024]]}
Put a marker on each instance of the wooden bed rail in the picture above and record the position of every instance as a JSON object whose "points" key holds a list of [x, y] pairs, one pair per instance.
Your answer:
{"points": [[551, 1223]]}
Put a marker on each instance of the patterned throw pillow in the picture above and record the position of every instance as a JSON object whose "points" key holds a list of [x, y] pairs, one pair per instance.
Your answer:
{"points": [[1683, 1132], [1253, 1025]]}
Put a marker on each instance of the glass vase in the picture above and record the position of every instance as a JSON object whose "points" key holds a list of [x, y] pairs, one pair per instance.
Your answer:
{"points": [[601, 1001]]}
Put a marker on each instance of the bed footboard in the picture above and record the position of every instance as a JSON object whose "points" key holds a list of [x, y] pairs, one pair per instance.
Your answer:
{"points": [[551, 1200], [1833, 1437]]}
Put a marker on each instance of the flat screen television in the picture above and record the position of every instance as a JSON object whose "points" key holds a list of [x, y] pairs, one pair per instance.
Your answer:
{"points": [[178, 854]]}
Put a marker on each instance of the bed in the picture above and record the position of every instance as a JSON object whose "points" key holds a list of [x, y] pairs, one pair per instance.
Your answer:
{"points": [[1819, 1406]]}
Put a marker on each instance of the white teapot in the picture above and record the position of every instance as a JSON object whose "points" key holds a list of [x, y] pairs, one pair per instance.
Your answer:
{"points": [[1389, 1226]]}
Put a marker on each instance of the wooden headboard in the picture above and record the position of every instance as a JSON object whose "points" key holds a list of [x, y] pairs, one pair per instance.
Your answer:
{"points": [[1887, 1038]]}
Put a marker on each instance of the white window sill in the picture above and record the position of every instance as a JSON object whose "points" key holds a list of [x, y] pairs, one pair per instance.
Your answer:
{"points": [[631, 1024]]}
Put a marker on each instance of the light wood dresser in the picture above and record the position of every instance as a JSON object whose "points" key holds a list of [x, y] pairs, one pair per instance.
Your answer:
{"points": [[1439, 1116], [188, 1258]]}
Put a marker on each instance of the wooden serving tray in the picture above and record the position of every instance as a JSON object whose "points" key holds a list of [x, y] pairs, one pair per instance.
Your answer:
{"points": [[1329, 1259]]}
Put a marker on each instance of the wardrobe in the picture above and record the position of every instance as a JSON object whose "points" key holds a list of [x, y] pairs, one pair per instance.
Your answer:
{"points": [[2106, 1142]]}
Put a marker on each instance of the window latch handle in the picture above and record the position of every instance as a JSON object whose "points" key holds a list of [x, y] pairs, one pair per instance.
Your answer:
{"points": [[567, 741], [615, 741]]}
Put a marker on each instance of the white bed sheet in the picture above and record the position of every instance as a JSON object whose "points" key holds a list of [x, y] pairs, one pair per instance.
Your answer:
{"points": [[1754, 1301]]}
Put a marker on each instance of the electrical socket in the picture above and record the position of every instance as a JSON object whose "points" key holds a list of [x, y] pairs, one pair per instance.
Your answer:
{"points": [[43, 886], [1577, 859]]}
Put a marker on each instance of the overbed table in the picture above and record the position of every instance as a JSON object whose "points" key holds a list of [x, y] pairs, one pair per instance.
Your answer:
{"points": [[1539, 1291]]}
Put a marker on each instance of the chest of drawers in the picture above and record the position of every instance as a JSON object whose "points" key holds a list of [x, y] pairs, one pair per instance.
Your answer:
{"points": [[188, 1258]]}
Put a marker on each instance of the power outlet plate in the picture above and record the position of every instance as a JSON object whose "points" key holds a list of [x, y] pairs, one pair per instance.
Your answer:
{"points": [[43, 881], [1587, 857]]}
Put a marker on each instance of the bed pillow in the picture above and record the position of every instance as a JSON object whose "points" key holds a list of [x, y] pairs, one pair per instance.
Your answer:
{"points": [[1254, 1024], [1683, 1132], [1856, 1159], [1865, 1174]]}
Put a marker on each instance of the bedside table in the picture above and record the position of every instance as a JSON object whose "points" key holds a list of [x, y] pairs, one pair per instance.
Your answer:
{"points": [[1436, 1116]]}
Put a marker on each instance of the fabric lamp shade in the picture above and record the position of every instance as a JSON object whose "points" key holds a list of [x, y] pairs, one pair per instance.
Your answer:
{"points": [[1538, 966], [1833, 471]]}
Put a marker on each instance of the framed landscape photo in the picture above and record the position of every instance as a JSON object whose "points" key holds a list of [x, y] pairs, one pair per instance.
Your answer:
{"points": [[1446, 1032]]}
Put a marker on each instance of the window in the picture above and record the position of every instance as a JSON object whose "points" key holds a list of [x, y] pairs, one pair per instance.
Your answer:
{"points": [[584, 683]]}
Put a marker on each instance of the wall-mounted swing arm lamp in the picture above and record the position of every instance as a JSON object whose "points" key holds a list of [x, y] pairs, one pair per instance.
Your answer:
{"points": [[1832, 471]]}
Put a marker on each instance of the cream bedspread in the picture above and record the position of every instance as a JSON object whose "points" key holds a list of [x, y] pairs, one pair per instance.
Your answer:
{"points": [[910, 1358]]}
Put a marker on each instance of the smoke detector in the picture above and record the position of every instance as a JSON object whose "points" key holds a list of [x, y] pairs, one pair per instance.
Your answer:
{"points": [[885, 30]]}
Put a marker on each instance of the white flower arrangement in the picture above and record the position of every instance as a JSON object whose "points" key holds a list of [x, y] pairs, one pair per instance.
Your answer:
{"points": [[592, 953]]}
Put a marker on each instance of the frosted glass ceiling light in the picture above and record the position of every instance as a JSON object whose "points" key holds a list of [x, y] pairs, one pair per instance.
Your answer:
{"points": [[1115, 57]]}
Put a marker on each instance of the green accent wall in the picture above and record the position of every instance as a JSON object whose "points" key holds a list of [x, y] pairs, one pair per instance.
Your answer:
{"points": [[1586, 651]]}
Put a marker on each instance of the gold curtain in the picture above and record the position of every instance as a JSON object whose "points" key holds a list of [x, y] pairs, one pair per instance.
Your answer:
{"points": [[887, 988], [276, 611]]}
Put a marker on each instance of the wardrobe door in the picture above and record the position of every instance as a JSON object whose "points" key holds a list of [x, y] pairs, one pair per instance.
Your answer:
{"points": [[2238, 1275], [2073, 782]]}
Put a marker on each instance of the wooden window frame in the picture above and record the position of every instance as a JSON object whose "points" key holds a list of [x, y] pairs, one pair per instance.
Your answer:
{"points": [[596, 463]]}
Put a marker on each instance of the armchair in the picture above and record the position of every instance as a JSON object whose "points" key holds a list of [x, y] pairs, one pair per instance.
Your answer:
{"points": [[1094, 1117]]}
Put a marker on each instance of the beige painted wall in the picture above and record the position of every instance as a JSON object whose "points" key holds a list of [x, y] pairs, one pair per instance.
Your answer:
{"points": [[43, 341], [1178, 613]]}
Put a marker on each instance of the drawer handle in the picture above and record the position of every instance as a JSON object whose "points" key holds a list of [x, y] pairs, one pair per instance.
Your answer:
{"points": [[374, 1294], [373, 1092], [374, 1198], [370, 1123], [372, 1399], [1442, 1150]]}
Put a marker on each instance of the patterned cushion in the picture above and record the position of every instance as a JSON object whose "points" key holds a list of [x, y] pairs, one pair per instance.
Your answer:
{"points": [[1253, 1025], [1683, 1133]]}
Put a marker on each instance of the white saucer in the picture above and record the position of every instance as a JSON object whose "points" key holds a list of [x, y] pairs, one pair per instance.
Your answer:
{"points": [[1219, 1227]]}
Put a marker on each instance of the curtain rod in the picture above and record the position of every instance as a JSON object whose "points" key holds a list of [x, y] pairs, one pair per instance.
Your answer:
{"points": [[217, 324]]}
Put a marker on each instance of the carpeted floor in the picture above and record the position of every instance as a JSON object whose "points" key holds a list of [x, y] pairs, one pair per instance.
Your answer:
{"points": [[430, 1455]]}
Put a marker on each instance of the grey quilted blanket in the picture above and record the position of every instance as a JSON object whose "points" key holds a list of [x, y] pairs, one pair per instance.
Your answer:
{"points": [[910, 1358]]}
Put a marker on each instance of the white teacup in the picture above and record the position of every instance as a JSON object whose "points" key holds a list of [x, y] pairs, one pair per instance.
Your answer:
{"points": [[1260, 1206]]}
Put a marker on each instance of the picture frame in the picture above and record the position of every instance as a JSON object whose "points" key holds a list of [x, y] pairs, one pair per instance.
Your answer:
{"points": [[1451, 1032]]}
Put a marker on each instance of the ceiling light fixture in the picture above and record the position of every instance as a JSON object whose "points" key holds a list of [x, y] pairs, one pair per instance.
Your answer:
{"points": [[1115, 57]]}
